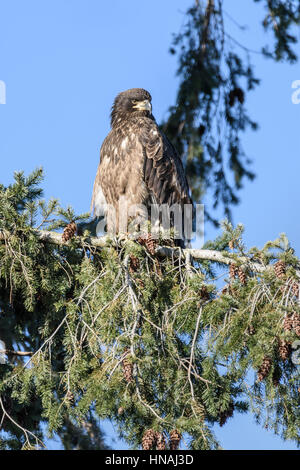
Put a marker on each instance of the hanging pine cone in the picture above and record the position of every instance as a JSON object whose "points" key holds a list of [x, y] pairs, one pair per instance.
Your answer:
{"points": [[70, 398], [242, 276], [288, 323], [141, 240], [127, 369], [134, 263], [225, 290], [264, 369], [236, 93], [233, 270], [279, 269], [224, 415], [229, 290], [149, 439], [149, 242], [140, 283], [175, 438], [120, 410], [160, 441], [296, 323], [69, 231], [204, 294], [295, 289], [284, 349]]}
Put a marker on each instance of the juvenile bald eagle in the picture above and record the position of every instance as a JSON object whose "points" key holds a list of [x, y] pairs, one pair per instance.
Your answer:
{"points": [[137, 162]]}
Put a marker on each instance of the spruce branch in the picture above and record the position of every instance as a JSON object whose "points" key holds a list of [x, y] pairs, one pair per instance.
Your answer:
{"points": [[221, 257]]}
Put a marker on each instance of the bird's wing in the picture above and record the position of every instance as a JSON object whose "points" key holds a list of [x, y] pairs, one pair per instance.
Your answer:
{"points": [[99, 199], [163, 170]]}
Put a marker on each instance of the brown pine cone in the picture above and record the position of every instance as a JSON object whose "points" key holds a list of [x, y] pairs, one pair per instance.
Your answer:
{"points": [[127, 369], [284, 349], [279, 269], [141, 240], [264, 369], [149, 439], [296, 323], [224, 415], [229, 290], [134, 263], [225, 290], [160, 441], [149, 242], [204, 294], [70, 397], [242, 276], [288, 323], [140, 283], [233, 270], [175, 438], [69, 231], [295, 288]]}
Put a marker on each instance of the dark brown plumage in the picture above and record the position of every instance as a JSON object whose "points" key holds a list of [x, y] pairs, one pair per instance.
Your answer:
{"points": [[137, 162]]}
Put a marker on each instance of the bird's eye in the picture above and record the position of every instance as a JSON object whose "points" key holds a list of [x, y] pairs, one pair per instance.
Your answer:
{"points": [[134, 101]]}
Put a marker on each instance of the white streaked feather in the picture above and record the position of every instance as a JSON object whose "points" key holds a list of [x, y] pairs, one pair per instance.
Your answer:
{"points": [[99, 203], [124, 143]]}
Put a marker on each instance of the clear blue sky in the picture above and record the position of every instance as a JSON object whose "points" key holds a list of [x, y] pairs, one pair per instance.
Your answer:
{"points": [[63, 62]]}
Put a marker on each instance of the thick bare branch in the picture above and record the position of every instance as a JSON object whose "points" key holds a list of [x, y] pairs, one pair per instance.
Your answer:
{"points": [[16, 353], [162, 251]]}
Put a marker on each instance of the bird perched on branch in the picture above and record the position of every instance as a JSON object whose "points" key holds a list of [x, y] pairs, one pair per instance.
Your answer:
{"points": [[139, 167]]}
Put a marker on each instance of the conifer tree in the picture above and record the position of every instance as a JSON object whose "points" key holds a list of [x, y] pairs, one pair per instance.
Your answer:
{"points": [[216, 74], [100, 328], [104, 328]]}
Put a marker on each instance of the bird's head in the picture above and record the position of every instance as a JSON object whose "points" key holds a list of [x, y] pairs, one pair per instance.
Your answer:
{"points": [[135, 101]]}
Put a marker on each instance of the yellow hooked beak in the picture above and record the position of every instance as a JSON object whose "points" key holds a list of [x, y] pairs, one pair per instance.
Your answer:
{"points": [[143, 106]]}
